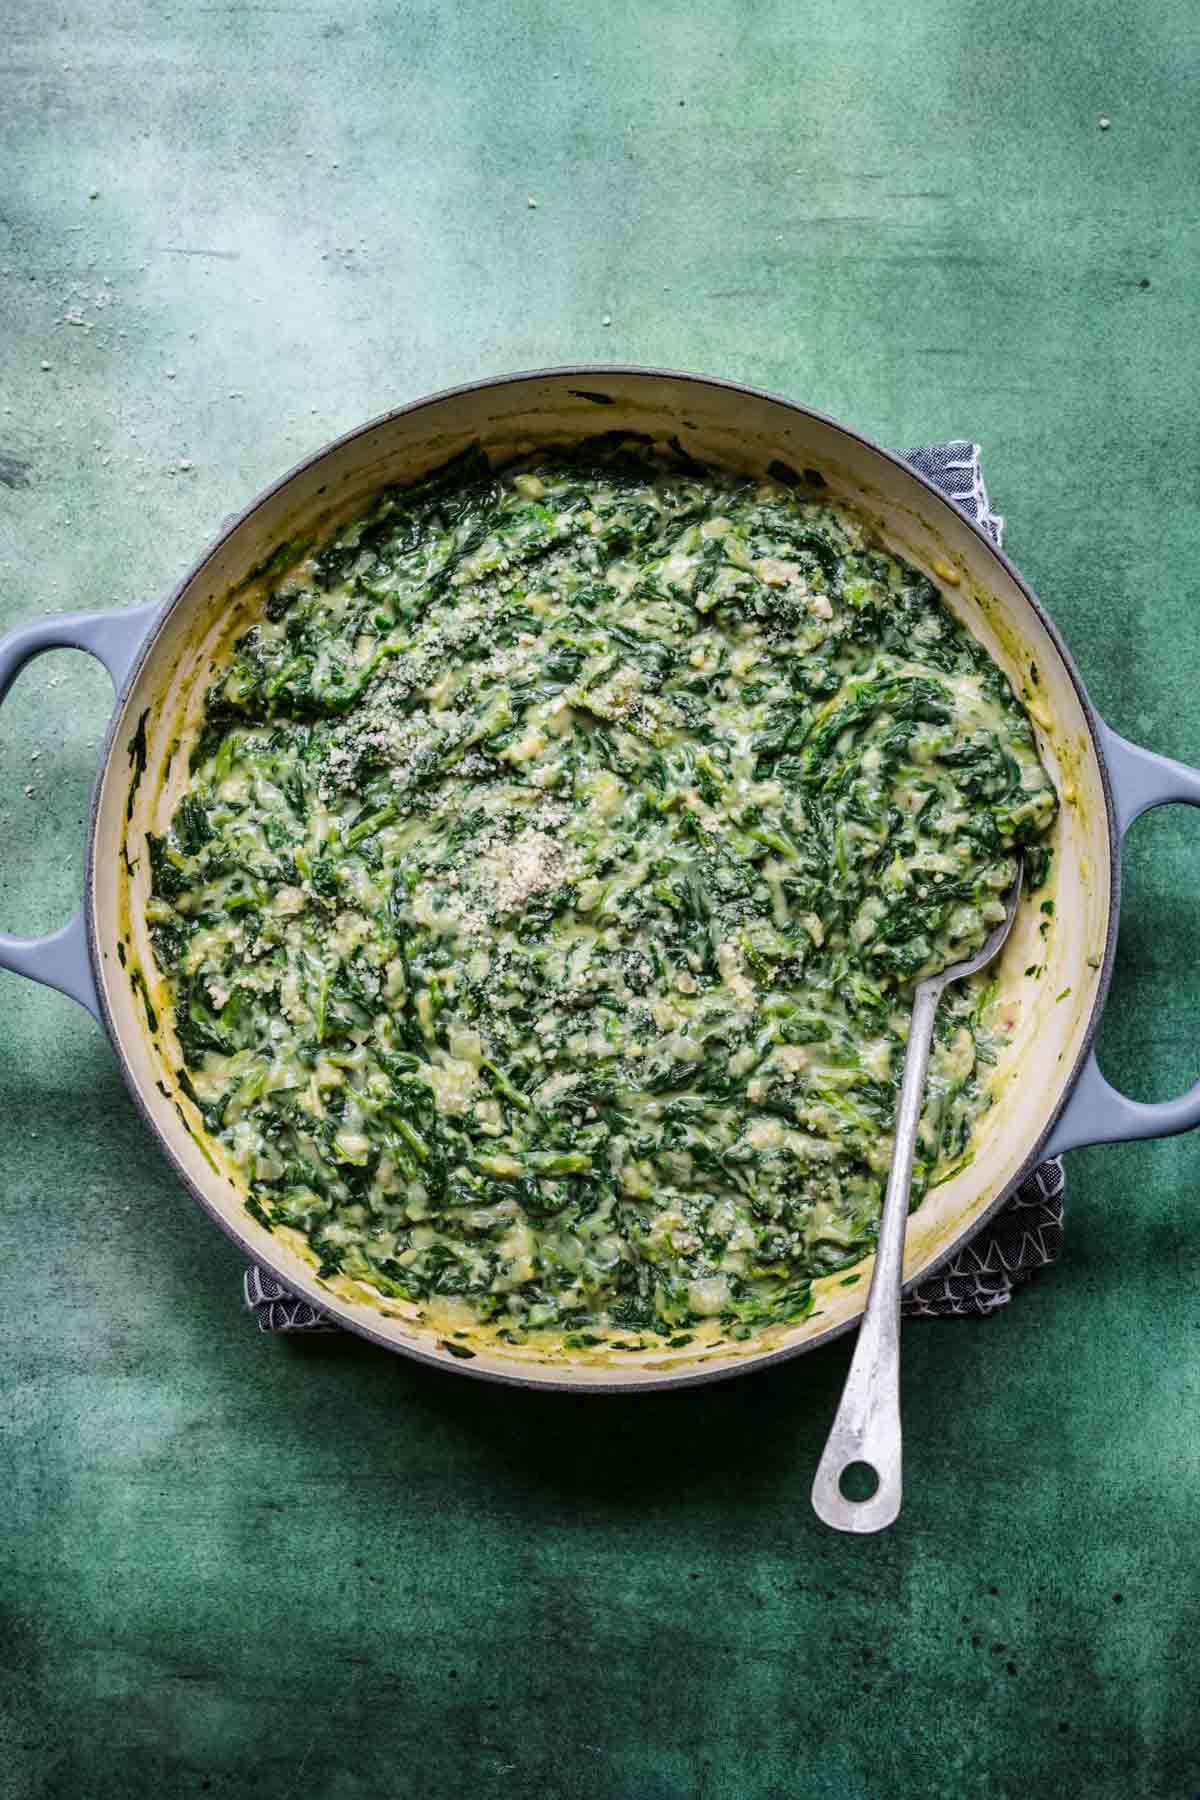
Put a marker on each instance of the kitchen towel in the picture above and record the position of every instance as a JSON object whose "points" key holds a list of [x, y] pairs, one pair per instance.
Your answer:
{"points": [[1024, 1236]]}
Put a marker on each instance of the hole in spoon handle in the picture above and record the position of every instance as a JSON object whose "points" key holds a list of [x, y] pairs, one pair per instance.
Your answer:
{"points": [[859, 1483]]}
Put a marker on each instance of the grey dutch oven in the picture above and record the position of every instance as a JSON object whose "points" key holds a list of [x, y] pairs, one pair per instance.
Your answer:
{"points": [[1050, 1093]]}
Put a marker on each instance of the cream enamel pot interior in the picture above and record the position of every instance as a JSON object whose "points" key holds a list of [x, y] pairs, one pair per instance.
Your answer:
{"points": [[1050, 1094]]}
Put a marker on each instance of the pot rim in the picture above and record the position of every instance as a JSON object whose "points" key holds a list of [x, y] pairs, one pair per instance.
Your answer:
{"points": [[688, 1376]]}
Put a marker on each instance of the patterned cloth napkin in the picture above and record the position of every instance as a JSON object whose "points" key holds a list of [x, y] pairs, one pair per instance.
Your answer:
{"points": [[1026, 1235]]}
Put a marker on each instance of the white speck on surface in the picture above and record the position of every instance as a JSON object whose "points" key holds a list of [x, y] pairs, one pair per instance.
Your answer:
{"points": [[45, 364], [532, 863], [607, 319], [93, 193], [1104, 123], [170, 373], [531, 202], [184, 463]]}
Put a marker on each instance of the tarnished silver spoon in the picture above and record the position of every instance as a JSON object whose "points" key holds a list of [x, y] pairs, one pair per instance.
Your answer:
{"points": [[866, 1430]]}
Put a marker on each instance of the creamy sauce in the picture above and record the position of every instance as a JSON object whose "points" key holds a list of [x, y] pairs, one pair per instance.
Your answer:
{"points": [[559, 852]]}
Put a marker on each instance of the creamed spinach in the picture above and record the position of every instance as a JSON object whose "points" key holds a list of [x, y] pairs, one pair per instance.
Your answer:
{"points": [[557, 856]]}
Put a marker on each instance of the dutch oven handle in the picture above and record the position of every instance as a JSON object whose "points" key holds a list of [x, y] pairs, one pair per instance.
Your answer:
{"points": [[61, 960], [1097, 1112]]}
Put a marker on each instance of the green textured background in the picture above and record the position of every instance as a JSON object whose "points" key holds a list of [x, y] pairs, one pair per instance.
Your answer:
{"points": [[260, 1568]]}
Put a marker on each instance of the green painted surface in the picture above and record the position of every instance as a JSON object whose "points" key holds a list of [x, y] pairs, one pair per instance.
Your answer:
{"points": [[245, 1567]]}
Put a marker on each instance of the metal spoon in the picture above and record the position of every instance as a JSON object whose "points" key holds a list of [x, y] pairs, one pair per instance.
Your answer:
{"points": [[867, 1427]]}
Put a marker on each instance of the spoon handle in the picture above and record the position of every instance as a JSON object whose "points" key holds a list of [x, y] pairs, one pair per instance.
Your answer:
{"points": [[867, 1426]]}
